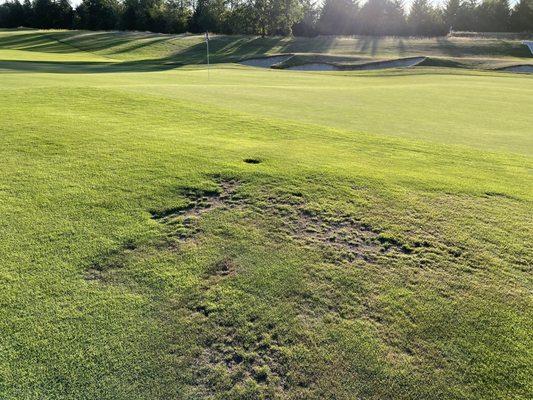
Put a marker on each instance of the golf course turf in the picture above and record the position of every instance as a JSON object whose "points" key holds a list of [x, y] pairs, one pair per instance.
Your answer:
{"points": [[262, 233]]}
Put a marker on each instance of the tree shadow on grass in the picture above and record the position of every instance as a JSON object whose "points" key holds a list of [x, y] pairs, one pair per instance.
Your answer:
{"points": [[115, 42], [70, 67], [402, 50], [368, 45], [489, 48], [222, 49], [36, 42], [65, 41], [175, 51], [170, 51], [231, 49]]}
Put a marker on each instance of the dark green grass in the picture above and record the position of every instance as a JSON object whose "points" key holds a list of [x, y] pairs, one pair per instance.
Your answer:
{"points": [[107, 294]]}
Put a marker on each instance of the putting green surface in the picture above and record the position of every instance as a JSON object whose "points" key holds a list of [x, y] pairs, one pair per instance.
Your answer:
{"points": [[261, 234]]}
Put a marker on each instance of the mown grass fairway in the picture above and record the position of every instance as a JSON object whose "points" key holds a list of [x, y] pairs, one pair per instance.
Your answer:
{"points": [[376, 245]]}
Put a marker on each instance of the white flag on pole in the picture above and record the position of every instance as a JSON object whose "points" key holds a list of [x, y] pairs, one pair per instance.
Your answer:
{"points": [[207, 51]]}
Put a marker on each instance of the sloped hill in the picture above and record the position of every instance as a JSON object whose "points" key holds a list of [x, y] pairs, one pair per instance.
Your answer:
{"points": [[190, 49]]}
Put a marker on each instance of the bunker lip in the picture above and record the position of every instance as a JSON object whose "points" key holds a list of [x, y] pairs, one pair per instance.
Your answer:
{"points": [[382, 64], [316, 66], [529, 44], [398, 63], [520, 69], [267, 61]]}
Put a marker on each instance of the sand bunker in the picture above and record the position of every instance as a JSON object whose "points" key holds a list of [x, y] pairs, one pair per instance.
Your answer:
{"points": [[523, 69], [529, 44], [265, 62], [401, 63], [315, 67]]}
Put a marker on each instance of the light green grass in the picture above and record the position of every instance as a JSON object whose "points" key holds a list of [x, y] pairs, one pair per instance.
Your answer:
{"points": [[437, 162]]}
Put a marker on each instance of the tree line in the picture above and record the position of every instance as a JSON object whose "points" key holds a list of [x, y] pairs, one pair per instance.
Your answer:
{"points": [[273, 17]]}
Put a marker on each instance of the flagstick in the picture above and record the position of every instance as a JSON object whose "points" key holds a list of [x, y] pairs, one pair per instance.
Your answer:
{"points": [[207, 44]]}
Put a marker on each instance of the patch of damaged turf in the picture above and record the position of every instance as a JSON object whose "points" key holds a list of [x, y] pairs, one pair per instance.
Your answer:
{"points": [[258, 344], [182, 221], [110, 261], [242, 350]]}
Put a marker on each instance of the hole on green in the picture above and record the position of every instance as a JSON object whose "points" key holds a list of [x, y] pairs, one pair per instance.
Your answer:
{"points": [[252, 160]]}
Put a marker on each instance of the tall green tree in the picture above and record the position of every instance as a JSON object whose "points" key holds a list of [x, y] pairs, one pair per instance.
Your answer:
{"points": [[307, 24], [273, 17], [283, 14], [493, 16], [209, 15], [142, 15], [241, 18], [338, 17], [53, 14], [452, 13], [381, 17], [12, 14], [521, 19], [98, 14], [460, 15], [178, 15], [425, 20]]}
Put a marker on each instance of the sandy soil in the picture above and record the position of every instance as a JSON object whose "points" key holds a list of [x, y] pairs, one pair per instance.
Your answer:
{"points": [[265, 62], [315, 67], [401, 63]]}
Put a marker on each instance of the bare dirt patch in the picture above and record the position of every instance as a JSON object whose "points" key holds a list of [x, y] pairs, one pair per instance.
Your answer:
{"points": [[240, 348], [223, 268], [342, 237], [254, 358], [345, 238], [183, 221]]}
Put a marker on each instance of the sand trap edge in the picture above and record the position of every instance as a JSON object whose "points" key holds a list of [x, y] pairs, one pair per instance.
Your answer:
{"points": [[265, 62], [518, 69]]}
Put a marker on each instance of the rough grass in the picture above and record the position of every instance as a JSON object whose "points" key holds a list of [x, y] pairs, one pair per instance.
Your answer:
{"points": [[379, 249]]}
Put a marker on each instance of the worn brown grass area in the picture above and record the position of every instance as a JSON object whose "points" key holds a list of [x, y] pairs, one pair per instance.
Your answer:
{"points": [[241, 352], [182, 220], [246, 353]]}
